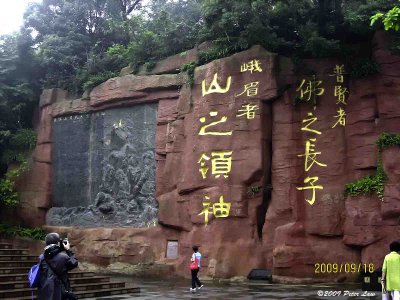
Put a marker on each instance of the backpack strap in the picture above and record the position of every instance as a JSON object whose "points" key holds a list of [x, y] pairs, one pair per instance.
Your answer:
{"points": [[55, 273]]}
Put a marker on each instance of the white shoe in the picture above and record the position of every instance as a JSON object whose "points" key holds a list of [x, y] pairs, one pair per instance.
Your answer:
{"points": [[200, 286], [192, 290]]}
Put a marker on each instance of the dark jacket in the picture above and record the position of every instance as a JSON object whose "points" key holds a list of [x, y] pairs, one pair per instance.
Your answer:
{"points": [[50, 287]]}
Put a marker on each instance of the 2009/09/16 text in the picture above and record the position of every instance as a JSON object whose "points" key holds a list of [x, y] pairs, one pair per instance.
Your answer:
{"points": [[344, 267]]}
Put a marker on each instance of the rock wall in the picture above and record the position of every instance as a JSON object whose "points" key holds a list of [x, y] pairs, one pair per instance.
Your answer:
{"points": [[251, 163]]}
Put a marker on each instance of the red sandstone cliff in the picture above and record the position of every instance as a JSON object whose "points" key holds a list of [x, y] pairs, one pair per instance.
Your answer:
{"points": [[270, 223]]}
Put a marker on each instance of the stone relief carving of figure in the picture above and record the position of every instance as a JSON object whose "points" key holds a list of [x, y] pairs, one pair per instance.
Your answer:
{"points": [[123, 188], [134, 174], [147, 165], [148, 188], [125, 193], [108, 178], [133, 207], [105, 203]]}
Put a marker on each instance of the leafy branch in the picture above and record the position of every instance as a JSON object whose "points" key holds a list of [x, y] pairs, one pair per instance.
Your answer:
{"points": [[390, 20]]}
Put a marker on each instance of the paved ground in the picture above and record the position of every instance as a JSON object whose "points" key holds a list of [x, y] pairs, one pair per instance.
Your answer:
{"points": [[178, 289]]}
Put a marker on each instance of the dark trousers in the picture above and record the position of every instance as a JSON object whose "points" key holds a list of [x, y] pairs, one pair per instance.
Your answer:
{"points": [[195, 279]]}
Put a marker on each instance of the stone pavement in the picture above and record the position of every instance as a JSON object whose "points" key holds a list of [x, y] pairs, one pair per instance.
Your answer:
{"points": [[179, 289]]}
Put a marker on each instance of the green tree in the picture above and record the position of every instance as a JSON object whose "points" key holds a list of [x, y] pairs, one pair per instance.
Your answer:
{"points": [[70, 33], [19, 91], [81, 43], [164, 28], [390, 19]]}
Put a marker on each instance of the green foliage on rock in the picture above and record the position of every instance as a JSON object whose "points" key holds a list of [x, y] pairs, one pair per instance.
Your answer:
{"points": [[165, 28], [8, 195], [390, 19], [92, 80], [253, 190], [387, 140], [17, 231], [18, 144], [363, 68], [219, 50], [369, 185], [189, 68], [374, 184]]}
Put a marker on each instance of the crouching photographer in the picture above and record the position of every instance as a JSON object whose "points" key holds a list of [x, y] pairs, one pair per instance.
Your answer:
{"points": [[56, 261]]}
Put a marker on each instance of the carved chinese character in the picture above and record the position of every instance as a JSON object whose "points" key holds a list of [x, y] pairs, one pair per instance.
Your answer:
{"points": [[220, 209], [310, 89], [251, 89], [203, 129], [341, 118], [215, 87], [221, 163], [312, 187], [251, 66], [310, 156], [338, 71], [248, 110], [340, 93], [308, 123]]}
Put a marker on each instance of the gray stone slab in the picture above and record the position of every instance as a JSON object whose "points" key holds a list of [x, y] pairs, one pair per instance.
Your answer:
{"points": [[104, 169]]}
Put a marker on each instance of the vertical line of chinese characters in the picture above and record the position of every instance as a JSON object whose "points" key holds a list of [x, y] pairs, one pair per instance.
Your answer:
{"points": [[310, 90], [217, 163], [340, 93]]}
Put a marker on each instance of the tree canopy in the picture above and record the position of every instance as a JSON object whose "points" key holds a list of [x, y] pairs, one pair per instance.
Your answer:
{"points": [[81, 43], [76, 44]]}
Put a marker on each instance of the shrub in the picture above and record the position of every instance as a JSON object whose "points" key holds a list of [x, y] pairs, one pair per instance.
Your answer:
{"points": [[189, 68], [364, 68], [8, 195], [13, 231], [387, 140], [374, 184]]}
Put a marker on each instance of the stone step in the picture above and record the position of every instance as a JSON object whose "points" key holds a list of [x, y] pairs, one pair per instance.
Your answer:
{"points": [[14, 251], [5, 246], [14, 267], [78, 288], [89, 294], [14, 270], [13, 277], [18, 264], [11, 257], [22, 282], [24, 276], [80, 274]]}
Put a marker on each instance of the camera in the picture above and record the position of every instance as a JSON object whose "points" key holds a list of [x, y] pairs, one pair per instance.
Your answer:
{"points": [[62, 243]]}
